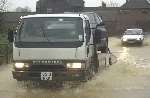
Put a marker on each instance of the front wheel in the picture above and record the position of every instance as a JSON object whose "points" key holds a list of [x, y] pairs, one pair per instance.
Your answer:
{"points": [[123, 43], [141, 43], [110, 61]]}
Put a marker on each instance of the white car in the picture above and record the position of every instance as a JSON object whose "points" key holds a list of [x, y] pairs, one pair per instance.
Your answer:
{"points": [[133, 36]]}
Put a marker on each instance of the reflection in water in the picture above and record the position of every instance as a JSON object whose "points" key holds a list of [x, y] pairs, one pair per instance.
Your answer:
{"points": [[137, 56], [124, 54], [121, 80], [143, 62]]}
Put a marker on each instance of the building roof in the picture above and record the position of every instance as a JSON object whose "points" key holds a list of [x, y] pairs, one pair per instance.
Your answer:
{"points": [[137, 4], [70, 2], [76, 2]]}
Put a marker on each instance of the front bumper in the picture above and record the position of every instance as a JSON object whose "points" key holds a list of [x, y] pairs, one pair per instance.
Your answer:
{"points": [[74, 75], [132, 41]]}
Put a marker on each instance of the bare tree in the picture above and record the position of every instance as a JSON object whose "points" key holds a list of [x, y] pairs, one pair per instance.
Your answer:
{"points": [[2, 21], [23, 9], [3, 5], [2, 10], [111, 3], [103, 4]]}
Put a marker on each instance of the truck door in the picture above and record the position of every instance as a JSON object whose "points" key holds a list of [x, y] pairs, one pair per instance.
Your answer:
{"points": [[89, 40]]}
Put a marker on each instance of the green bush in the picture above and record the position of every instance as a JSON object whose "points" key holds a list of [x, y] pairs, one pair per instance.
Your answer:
{"points": [[4, 48]]}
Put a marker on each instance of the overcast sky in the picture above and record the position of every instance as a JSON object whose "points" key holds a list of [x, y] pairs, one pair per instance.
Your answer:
{"points": [[12, 4]]}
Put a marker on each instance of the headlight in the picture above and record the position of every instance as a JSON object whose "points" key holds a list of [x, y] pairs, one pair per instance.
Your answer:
{"points": [[21, 65], [139, 38], [124, 39], [75, 65]]}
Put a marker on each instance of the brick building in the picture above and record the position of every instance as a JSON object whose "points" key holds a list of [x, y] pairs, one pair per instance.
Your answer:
{"points": [[136, 4], [134, 13], [57, 6]]}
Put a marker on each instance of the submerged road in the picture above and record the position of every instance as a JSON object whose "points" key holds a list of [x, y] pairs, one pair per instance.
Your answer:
{"points": [[128, 78]]}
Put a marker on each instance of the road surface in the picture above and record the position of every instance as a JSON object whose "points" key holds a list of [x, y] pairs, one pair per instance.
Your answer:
{"points": [[128, 78]]}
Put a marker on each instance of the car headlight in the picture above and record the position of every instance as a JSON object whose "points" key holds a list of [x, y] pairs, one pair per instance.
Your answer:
{"points": [[139, 38], [21, 65], [75, 65], [124, 39]]}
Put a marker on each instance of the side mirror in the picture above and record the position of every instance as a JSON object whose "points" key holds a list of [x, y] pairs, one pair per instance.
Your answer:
{"points": [[11, 36]]}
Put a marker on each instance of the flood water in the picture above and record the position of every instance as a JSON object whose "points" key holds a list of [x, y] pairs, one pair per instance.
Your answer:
{"points": [[128, 78]]}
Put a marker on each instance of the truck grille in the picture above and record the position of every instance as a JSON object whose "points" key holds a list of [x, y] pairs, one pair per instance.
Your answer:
{"points": [[131, 39], [46, 67]]}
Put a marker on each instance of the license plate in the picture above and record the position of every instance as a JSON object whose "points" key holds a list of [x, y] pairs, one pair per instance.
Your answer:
{"points": [[131, 42], [46, 76]]}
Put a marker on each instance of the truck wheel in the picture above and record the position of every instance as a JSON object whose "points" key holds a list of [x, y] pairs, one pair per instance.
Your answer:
{"points": [[96, 63], [141, 43], [104, 50], [110, 61], [123, 43]]}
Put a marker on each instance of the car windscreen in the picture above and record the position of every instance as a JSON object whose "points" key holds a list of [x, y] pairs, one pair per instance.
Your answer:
{"points": [[133, 32], [51, 29]]}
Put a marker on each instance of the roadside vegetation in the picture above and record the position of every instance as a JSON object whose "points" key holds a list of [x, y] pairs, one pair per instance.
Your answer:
{"points": [[4, 47], [3, 30]]}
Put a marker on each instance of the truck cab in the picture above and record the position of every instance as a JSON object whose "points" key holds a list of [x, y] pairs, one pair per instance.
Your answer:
{"points": [[54, 47]]}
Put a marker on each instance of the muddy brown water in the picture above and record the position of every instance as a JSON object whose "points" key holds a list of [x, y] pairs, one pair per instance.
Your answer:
{"points": [[128, 78]]}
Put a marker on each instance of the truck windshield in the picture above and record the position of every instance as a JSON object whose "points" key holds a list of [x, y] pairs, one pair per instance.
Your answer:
{"points": [[51, 30]]}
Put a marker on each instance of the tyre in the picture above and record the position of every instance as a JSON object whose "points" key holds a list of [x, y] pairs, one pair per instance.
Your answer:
{"points": [[96, 61], [123, 43], [141, 43], [110, 61], [104, 50]]}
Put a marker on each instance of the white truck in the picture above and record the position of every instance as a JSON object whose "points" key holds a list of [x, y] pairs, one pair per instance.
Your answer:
{"points": [[132, 36], [55, 47]]}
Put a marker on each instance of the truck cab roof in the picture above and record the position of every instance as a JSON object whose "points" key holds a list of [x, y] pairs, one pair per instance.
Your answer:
{"points": [[133, 31], [84, 17]]}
